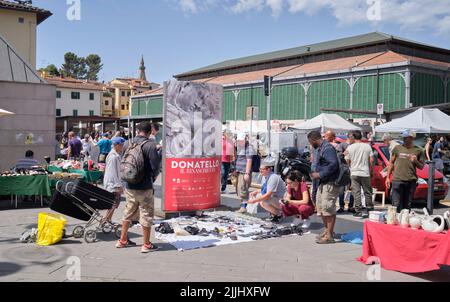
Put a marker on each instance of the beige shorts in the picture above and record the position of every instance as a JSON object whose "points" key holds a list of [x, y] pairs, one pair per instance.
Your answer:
{"points": [[140, 204], [271, 202], [242, 187], [327, 195]]}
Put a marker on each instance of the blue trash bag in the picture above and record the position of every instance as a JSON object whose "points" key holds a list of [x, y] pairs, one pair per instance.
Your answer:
{"points": [[353, 237]]}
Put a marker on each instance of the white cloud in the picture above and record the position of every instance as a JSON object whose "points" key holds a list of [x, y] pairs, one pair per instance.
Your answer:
{"points": [[408, 14], [188, 6]]}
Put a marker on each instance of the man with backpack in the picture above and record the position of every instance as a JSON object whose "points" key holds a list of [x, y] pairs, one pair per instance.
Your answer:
{"points": [[139, 168], [326, 173], [359, 156]]}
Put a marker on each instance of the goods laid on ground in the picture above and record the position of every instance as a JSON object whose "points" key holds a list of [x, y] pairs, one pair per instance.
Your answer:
{"points": [[219, 228]]}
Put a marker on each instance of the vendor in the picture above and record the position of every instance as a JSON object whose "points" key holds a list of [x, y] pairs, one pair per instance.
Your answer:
{"points": [[297, 201], [272, 191], [27, 162]]}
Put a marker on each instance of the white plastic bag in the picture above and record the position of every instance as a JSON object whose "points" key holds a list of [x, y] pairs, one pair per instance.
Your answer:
{"points": [[252, 208]]}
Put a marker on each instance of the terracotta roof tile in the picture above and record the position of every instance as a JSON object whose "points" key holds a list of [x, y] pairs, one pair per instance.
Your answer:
{"points": [[41, 14], [74, 83]]}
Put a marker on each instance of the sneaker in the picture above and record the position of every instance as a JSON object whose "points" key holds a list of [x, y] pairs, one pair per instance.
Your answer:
{"points": [[121, 245], [242, 210], [276, 218], [340, 211], [149, 248], [306, 224], [351, 210], [297, 221]]}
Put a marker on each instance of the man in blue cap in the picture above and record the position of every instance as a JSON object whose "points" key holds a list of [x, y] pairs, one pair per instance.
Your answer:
{"points": [[112, 181], [404, 162]]}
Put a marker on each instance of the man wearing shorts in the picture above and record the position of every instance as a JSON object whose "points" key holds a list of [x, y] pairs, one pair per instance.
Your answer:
{"points": [[140, 196], [243, 169], [326, 173]]}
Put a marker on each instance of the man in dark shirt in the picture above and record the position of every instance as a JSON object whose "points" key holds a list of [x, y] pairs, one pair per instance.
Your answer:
{"points": [[326, 173], [140, 196], [75, 146]]}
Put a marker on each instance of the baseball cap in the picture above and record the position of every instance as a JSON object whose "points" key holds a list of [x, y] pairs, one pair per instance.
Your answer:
{"points": [[409, 133], [268, 162], [118, 140]]}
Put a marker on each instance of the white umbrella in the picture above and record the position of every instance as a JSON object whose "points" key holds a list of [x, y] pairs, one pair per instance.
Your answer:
{"points": [[326, 121], [4, 112]]}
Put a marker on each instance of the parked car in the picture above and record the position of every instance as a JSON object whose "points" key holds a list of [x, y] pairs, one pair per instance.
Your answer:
{"points": [[382, 157]]}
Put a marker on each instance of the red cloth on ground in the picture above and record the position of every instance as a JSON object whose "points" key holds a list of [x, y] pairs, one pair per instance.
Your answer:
{"points": [[404, 249]]}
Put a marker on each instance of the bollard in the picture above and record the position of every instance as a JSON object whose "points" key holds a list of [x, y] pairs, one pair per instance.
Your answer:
{"points": [[430, 199]]}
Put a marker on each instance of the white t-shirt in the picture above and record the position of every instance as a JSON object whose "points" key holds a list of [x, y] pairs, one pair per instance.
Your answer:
{"points": [[359, 154]]}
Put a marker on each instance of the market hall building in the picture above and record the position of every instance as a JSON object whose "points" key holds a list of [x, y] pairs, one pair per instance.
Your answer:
{"points": [[349, 76]]}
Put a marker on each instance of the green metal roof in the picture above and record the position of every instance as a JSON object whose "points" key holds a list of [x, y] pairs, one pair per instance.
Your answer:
{"points": [[355, 41]]}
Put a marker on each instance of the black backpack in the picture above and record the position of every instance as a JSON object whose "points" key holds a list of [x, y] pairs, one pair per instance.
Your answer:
{"points": [[132, 166], [344, 178]]}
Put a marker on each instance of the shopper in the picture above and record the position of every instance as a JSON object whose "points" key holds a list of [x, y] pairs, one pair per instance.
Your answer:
{"points": [[105, 146], [359, 156], [438, 152], [327, 172], [111, 180], [227, 158], [390, 142], [86, 146], [343, 190], [75, 146], [297, 201], [140, 196], [244, 158], [404, 162], [429, 149], [272, 191]]}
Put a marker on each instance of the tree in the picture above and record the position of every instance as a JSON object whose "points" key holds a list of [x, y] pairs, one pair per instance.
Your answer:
{"points": [[51, 70], [74, 66], [94, 64]]}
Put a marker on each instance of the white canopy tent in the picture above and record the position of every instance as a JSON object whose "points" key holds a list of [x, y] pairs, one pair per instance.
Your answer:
{"points": [[326, 121], [4, 112], [420, 121]]}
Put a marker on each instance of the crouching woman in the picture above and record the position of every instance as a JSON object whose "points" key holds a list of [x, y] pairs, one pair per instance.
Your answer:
{"points": [[297, 201]]}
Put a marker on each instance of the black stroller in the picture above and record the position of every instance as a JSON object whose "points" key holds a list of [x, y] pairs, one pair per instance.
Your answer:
{"points": [[83, 201]]}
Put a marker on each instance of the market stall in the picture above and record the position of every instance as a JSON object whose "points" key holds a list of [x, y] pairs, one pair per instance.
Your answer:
{"points": [[325, 122], [404, 249], [92, 176], [25, 185], [421, 121]]}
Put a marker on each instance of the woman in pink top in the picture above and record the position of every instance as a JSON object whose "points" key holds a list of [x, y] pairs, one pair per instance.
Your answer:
{"points": [[227, 157], [297, 201]]}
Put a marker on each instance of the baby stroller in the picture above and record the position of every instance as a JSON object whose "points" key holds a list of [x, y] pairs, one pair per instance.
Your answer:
{"points": [[83, 201]]}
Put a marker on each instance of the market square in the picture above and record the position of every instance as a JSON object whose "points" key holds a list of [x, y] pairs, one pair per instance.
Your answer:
{"points": [[325, 159]]}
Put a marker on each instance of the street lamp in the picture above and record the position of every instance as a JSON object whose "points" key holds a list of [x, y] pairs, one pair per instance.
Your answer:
{"points": [[236, 95]]}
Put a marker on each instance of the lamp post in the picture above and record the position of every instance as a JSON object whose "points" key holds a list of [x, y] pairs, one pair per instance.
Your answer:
{"points": [[236, 95]]}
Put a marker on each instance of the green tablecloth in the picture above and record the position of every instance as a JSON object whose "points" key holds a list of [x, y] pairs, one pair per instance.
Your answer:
{"points": [[33, 185], [88, 176]]}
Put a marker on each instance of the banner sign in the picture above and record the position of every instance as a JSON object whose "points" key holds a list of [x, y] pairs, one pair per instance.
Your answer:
{"points": [[192, 146]]}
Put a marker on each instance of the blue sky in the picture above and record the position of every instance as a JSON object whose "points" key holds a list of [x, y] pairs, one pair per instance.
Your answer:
{"points": [[180, 35]]}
